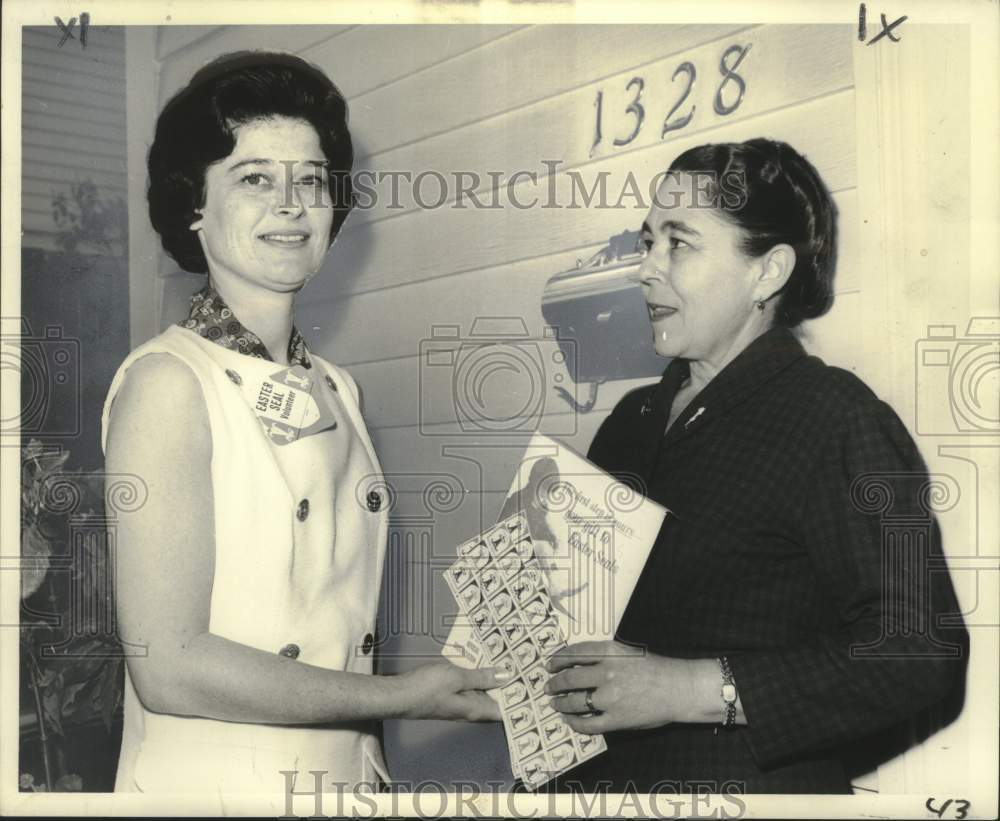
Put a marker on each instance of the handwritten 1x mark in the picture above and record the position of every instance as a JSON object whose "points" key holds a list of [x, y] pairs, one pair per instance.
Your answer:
{"points": [[887, 27]]}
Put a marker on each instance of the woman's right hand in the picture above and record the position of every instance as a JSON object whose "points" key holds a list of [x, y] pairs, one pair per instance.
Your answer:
{"points": [[446, 692]]}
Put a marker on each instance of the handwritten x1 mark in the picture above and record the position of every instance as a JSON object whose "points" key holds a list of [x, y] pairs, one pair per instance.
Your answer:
{"points": [[67, 30], [887, 30]]}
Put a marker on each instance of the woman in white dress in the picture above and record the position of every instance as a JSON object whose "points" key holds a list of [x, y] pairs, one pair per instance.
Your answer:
{"points": [[248, 580]]}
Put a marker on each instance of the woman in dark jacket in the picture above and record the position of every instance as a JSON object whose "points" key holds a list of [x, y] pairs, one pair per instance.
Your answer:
{"points": [[790, 609]]}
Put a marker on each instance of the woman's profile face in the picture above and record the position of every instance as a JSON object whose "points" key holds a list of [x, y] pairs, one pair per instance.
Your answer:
{"points": [[698, 284], [267, 212]]}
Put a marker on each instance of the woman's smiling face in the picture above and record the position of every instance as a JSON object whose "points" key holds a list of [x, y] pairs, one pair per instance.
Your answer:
{"points": [[699, 286], [267, 212]]}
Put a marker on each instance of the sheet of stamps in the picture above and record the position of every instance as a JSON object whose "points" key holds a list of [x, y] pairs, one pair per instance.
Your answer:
{"points": [[502, 591]]}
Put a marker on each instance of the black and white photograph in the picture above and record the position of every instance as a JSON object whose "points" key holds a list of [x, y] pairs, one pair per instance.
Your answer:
{"points": [[500, 408]]}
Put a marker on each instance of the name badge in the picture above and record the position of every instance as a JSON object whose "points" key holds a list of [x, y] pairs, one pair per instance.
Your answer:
{"points": [[286, 405]]}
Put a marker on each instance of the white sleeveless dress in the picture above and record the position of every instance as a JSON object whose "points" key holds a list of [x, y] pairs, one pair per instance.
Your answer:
{"points": [[299, 550]]}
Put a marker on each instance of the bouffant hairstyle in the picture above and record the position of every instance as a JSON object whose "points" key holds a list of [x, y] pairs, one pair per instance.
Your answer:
{"points": [[782, 199], [197, 128]]}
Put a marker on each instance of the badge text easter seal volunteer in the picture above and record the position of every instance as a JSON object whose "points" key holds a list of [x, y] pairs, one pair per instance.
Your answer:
{"points": [[288, 405]]}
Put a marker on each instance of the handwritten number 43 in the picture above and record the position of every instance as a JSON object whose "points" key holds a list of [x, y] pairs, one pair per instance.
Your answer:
{"points": [[960, 808]]}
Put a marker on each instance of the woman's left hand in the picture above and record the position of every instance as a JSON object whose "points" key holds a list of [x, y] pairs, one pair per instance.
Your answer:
{"points": [[628, 687]]}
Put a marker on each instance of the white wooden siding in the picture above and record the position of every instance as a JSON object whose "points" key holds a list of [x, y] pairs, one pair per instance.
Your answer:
{"points": [[191, 48], [554, 123], [73, 122], [411, 49]]}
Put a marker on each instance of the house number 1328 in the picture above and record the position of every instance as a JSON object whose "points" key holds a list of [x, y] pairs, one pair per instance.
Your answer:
{"points": [[676, 118]]}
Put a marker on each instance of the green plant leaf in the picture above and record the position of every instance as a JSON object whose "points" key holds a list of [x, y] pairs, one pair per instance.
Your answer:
{"points": [[51, 705], [69, 702], [51, 461], [36, 547], [85, 663], [111, 690], [33, 448], [47, 678]]}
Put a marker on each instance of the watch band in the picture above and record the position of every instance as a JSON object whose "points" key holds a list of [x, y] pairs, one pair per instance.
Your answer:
{"points": [[729, 694]]}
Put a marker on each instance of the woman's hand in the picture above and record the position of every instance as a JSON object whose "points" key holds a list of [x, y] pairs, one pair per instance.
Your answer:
{"points": [[447, 692], [629, 688]]}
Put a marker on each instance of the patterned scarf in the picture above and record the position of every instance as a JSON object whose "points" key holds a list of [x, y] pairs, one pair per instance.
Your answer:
{"points": [[212, 319]]}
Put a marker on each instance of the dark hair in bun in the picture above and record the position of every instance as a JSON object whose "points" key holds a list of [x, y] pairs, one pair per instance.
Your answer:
{"points": [[782, 200]]}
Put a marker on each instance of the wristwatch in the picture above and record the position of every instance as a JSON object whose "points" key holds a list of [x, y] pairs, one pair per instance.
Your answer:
{"points": [[729, 694]]}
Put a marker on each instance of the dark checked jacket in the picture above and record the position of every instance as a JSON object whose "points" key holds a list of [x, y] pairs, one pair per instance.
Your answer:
{"points": [[801, 546]]}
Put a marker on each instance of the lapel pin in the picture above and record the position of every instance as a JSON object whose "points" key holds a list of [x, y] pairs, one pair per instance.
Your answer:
{"points": [[647, 407], [697, 413]]}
